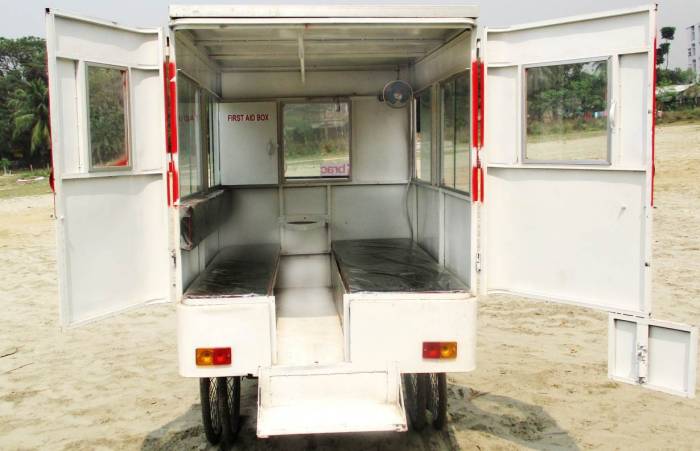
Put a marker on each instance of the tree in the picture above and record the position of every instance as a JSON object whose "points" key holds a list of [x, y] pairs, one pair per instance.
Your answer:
{"points": [[667, 34], [23, 101], [30, 116]]}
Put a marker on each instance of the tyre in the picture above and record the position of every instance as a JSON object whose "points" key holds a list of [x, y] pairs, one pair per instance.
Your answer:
{"points": [[415, 398], [437, 399], [230, 408], [209, 398]]}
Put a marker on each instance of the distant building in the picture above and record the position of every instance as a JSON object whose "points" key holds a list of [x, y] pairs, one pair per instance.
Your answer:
{"points": [[694, 48]]}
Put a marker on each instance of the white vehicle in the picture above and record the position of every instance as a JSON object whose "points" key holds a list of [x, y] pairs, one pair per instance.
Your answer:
{"points": [[325, 191]]}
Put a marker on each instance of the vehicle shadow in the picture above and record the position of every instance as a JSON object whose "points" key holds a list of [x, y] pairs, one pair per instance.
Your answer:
{"points": [[500, 417]]}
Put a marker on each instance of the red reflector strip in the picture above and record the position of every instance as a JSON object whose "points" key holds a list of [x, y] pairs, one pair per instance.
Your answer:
{"points": [[482, 81], [481, 185], [439, 350], [475, 103], [212, 356], [172, 99]]}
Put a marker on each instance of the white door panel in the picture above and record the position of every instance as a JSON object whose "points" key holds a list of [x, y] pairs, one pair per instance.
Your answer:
{"points": [[112, 224], [655, 354], [570, 231]]}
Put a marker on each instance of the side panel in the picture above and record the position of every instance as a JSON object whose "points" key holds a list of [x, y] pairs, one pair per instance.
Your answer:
{"points": [[112, 222], [246, 327], [384, 330], [568, 227]]}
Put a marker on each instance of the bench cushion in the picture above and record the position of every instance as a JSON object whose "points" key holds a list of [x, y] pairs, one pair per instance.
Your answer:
{"points": [[238, 271], [392, 265]]}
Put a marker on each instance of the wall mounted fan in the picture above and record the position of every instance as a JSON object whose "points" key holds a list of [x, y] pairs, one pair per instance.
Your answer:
{"points": [[397, 94]]}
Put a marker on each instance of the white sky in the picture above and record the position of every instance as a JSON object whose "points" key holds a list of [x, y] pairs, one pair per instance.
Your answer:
{"points": [[26, 17]]}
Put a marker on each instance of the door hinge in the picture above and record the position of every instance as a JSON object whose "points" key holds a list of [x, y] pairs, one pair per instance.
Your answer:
{"points": [[477, 262], [642, 363], [173, 255]]}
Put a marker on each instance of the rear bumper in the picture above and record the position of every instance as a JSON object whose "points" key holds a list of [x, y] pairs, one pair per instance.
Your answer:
{"points": [[378, 331]]}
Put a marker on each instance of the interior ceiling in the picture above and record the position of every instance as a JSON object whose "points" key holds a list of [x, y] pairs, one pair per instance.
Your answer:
{"points": [[322, 46]]}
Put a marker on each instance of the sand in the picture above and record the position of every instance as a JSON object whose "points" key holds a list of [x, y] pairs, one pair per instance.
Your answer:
{"points": [[541, 381]]}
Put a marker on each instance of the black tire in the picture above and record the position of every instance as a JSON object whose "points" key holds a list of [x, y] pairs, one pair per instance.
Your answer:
{"points": [[230, 408], [415, 398], [209, 398], [437, 399]]}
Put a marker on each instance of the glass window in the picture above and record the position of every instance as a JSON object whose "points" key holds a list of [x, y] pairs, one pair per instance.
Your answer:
{"points": [[207, 142], [454, 95], [567, 112], [424, 135], [108, 119], [189, 155], [316, 139]]}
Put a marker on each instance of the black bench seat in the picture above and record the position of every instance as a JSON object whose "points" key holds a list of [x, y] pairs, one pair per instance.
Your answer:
{"points": [[238, 271], [392, 265]]}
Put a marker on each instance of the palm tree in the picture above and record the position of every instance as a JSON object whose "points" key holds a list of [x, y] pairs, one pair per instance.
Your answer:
{"points": [[31, 114], [667, 34]]}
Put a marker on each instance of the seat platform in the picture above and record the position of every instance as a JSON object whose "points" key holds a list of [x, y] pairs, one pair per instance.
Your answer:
{"points": [[238, 272], [392, 265]]}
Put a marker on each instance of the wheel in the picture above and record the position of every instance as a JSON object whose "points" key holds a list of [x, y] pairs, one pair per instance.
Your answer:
{"points": [[437, 398], [209, 398], [230, 408], [416, 399]]}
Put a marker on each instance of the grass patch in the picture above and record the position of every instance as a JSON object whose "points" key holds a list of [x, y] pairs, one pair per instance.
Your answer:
{"points": [[685, 116], [10, 187]]}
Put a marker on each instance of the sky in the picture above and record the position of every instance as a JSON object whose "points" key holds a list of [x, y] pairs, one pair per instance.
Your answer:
{"points": [[26, 17]]}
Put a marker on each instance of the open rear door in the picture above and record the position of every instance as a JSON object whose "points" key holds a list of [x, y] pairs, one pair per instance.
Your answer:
{"points": [[108, 150], [569, 160]]}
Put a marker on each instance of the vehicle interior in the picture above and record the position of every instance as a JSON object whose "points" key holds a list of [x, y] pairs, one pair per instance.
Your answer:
{"points": [[307, 171]]}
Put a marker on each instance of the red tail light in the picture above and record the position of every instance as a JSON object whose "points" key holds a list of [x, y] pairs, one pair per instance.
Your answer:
{"points": [[439, 350], [213, 356]]}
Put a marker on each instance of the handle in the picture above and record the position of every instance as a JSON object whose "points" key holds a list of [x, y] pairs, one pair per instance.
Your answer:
{"points": [[270, 148], [611, 114]]}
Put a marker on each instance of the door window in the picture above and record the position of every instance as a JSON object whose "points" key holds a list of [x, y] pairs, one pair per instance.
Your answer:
{"points": [[567, 113], [107, 97]]}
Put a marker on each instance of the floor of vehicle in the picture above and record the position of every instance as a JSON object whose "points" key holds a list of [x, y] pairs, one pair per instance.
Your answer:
{"points": [[308, 327]]}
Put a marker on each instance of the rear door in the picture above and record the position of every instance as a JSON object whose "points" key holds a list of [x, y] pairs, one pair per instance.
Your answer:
{"points": [[108, 150], [568, 159]]}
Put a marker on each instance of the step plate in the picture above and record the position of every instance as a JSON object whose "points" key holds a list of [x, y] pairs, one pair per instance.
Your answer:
{"points": [[329, 399]]}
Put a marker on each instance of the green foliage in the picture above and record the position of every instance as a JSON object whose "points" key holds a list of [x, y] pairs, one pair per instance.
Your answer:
{"points": [[668, 33], [106, 89], [666, 77], [660, 57], [566, 98], [24, 117]]}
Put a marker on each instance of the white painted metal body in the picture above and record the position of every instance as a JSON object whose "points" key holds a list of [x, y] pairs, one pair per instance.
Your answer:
{"points": [[562, 232]]}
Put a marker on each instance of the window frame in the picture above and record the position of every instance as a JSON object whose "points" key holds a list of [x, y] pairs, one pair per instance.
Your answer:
{"points": [[127, 118], [283, 179], [610, 103], [198, 141], [440, 157], [433, 136]]}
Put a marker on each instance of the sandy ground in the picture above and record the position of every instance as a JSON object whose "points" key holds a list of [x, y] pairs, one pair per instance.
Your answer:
{"points": [[541, 381]]}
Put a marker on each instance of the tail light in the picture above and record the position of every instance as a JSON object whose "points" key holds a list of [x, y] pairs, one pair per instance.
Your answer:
{"points": [[439, 349], [212, 356]]}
